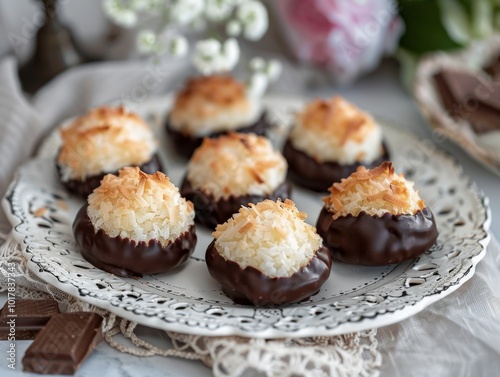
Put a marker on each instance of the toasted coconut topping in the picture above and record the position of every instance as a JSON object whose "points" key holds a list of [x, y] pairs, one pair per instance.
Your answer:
{"points": [[140, 207], [376, 191], [335, 130], [213, 103], [104, 140], [236, 164], [269, 236]]}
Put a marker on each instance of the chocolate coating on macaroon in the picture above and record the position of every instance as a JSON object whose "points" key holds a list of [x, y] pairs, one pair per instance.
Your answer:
{"points": [[211, 212], [84, 188], [126, 257], [319, 176], [249, 286], [377, 240], [185, 144]]}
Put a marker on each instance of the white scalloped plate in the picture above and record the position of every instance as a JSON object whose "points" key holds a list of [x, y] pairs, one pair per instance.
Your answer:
{"points": [[188, 300]]}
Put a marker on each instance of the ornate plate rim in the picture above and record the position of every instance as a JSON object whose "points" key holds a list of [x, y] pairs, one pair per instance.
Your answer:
{"points": [[351, 325]]}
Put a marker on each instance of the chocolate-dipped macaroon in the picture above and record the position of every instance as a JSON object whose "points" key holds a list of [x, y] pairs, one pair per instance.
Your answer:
{"points": [[266, 254], [375, 218], [135, 224], [211, 106], [100, 142], [329, 140], [230, 171]]}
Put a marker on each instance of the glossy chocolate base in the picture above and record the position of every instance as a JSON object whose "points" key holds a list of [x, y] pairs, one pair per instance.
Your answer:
{"points": [[84, 188], [125, 257], [377, 241], [210, 212], [319, 176], [250, 286], [185, 144]]}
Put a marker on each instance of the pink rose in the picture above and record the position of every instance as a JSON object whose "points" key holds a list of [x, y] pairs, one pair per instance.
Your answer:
{"points": [[348, 37], [309, 18]]}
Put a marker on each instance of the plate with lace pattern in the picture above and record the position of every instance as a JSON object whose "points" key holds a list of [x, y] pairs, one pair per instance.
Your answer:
{"points": [[188, 300]]}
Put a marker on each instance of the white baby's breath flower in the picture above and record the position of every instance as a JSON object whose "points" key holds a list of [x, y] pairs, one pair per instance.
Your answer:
{"points": [[273, 69], [178, 46], [230, 54], [146, 5], [120, 13], [206, 56], [184, 12], [257, 64], [211, 56], [146, 41], [208, 47], [218, 10], [233, 28], [257, 85], [253, 16]]}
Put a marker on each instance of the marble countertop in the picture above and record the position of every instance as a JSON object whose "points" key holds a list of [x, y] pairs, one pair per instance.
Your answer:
{"points": [[380, 93]]}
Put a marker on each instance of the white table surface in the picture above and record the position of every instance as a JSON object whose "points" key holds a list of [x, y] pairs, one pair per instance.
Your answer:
{"points": [[380, 93]]}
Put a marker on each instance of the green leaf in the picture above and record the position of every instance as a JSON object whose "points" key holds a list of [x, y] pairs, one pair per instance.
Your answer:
{"points": [[424, 28], [455, 20], [482, 18]]}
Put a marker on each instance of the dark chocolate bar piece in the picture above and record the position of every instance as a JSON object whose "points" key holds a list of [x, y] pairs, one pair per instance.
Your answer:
{"points": [[64, 343], [493, 69], [467, 96], [23, 319]]}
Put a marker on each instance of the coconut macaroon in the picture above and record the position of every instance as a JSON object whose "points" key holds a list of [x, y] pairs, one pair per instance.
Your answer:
{"points": [[233, 170], [102, 141], [210, 106], [375, 217], [135, 224], [266, 254], [329, 140]]}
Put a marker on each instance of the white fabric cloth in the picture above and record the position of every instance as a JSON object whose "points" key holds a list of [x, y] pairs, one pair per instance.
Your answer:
{"points": [[457, 336]]}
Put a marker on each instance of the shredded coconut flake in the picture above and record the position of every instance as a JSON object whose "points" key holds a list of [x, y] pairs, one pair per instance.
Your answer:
{"points": [[213, 103], [376, 191], [140, 207], [236, 164], [104, 140], [269, 236], [335, 130]]}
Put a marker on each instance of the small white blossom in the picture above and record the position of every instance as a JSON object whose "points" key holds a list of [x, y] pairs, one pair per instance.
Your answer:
{"points": [[253, 16], [120, 13], [178, 46], [257, 85], [206, 54], [212, 57], [230, 54], [208, 47], [146, 41], [184, 12], [218, 10], [146, 5], [273, 69], [257, 64], [233, 28]]}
